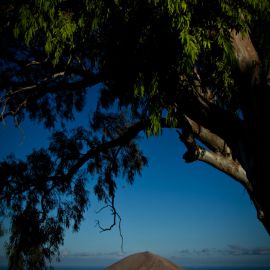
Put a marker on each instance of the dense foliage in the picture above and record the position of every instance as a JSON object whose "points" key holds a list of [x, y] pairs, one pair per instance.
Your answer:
{"points": [[159, 64]]}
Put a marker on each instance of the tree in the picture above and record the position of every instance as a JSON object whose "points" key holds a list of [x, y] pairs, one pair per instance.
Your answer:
{"points": [[161, 64]]}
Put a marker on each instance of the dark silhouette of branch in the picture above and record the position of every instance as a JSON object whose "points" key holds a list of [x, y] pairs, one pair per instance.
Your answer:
{"points": [[116, 216], [130, 133]]}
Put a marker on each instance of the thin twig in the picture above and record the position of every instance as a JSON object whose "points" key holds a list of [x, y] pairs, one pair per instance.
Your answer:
{"points": [[113, 224]]}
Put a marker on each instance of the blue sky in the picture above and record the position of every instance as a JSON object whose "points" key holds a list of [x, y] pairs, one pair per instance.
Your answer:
{"points": [[190, 213]]}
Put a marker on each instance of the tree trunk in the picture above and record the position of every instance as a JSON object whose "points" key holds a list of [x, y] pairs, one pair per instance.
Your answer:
{"points": [[255, 156], [237, 146]]}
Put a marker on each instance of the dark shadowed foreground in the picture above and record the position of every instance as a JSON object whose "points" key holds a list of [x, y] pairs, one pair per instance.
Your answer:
{"points": [[144, 261]]}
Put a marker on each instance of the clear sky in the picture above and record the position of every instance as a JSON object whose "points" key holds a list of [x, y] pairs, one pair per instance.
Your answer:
{"points": [[190, 213]]}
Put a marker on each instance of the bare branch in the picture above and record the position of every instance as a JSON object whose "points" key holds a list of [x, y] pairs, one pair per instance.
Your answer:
{"points": [[211, 140], [228, 166], [219, 159], [116, 216]]}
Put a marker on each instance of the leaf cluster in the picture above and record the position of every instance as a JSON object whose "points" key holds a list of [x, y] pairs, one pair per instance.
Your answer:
{"points": [[145, 51], [49, 191], [149, 56]]}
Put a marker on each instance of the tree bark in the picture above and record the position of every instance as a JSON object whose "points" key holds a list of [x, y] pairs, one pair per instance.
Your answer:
{"points": [[237, 146]]}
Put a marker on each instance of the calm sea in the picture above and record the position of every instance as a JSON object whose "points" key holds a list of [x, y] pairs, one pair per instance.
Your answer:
{"points": [[186, 268]]}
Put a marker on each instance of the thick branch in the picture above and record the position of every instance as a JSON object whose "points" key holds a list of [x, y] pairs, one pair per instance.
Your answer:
{"points": [[121, 140], [210, 139], [233, 169], [46, 86], [249, 78], [228, 166], [245, 52], [219, 160], [212, 117]]}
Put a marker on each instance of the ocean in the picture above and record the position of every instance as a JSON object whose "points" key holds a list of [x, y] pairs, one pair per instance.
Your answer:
{"points": [[185, 268]]}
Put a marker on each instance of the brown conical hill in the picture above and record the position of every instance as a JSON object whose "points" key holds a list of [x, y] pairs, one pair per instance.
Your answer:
{"points": [[143, 261]]}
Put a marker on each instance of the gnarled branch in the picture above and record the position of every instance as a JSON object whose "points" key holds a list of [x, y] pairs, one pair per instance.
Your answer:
{"points": [[116, 216]]}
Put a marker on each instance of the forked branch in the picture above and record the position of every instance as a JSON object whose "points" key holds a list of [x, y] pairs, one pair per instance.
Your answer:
{"points": [[116, 221]]}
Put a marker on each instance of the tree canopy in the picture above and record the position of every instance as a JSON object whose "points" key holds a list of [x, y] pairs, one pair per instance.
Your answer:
{"points": [[199, 67]]}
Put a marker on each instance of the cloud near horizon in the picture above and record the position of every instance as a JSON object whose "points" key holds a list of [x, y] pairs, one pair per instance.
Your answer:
{"points": [[231, 250], [86, 254], [238, 250]]}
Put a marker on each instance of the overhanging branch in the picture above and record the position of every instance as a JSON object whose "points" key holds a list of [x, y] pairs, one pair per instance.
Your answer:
{"points": [[220, 159], [116, 216], [130, 133], [208, 138], [226, 165], [49, 85]]}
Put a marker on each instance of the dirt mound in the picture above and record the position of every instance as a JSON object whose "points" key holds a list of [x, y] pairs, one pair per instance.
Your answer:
{"points": [[143, 261]]}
